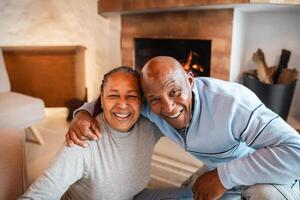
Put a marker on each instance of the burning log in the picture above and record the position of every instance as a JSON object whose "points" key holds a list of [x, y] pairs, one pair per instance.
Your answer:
{"points": [[190, 64], [198, 68], [187, 65]]}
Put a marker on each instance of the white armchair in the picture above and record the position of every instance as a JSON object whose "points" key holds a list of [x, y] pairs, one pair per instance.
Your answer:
{"points": [[18, 111]]}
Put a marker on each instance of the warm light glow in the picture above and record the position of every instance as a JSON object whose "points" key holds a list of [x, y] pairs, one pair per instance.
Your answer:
{"points": [[191, 63]]}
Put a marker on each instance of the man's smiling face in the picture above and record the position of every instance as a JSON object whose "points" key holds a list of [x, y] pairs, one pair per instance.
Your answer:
{"points": [[168, 90]]}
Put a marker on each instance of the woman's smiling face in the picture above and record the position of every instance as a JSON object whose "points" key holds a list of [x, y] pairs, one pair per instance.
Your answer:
{"points": [[121, 101]]}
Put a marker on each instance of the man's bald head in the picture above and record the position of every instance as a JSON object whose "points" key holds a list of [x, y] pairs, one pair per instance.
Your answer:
{"points": [[161, 65]]}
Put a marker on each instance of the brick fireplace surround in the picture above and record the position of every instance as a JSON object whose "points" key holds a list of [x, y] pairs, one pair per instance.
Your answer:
{"points": [[214, 25]]}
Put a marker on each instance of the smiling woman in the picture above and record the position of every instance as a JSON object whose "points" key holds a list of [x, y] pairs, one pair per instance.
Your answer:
{"points": [[115, 167]]}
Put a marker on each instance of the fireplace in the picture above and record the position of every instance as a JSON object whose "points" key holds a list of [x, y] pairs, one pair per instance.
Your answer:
{"points": [[193, 54], [214, 26]]}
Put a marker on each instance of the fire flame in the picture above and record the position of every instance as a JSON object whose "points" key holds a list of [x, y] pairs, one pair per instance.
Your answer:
{"points": [[188, 64]]}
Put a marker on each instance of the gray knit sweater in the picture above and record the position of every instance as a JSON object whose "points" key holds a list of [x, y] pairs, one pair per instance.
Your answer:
{"points": [[117, 166]]}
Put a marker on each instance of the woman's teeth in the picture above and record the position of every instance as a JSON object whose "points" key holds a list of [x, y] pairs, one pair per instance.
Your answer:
{"points": [[121, 115]]}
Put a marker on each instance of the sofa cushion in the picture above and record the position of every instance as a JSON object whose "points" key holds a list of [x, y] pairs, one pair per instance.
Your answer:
{"points": [[19, 111], [12, 163]]}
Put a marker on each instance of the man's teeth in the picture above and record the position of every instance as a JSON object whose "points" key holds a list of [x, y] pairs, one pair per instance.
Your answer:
{"points": [[175, 115], [122, 115]]}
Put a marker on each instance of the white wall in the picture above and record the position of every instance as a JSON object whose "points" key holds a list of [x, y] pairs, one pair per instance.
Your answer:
{"points": [[64, 22], [271, 31], [238, 43]]}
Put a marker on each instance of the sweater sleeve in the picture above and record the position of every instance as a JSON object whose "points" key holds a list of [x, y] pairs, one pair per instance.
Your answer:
{"points": [[276, 158], [89, 107], [69, 166], [158, 134]]}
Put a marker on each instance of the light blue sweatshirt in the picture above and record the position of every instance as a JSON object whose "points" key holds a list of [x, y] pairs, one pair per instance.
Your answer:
{"points": [[233, 131]]}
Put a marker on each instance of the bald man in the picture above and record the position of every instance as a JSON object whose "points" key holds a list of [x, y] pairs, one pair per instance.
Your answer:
{"points": [[250, 151]]}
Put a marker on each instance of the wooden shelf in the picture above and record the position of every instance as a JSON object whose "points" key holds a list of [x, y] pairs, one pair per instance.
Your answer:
{"points": [[106, 7]]}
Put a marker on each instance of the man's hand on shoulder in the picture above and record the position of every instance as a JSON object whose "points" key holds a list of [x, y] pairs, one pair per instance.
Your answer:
{"points": [[82, 127], [208, 186]]}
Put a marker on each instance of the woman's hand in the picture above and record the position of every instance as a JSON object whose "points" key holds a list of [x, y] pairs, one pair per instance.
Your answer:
{"points": [[82, 127]]}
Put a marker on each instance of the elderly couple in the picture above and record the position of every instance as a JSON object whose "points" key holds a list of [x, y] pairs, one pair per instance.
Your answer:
{"points": [[250, 152]]}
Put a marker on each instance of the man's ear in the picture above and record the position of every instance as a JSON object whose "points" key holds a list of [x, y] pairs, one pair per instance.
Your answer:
{"points": [[190, 77]]}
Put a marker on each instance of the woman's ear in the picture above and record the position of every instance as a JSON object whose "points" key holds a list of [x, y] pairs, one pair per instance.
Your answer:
{"points": [[98, 107], [101, 100]]}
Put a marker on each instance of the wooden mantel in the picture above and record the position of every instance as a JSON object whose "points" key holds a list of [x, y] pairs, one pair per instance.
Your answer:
{"points": [[129, 6]]}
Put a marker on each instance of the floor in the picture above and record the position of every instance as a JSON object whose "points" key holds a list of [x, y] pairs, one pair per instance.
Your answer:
{"points": [[52, 129]]}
